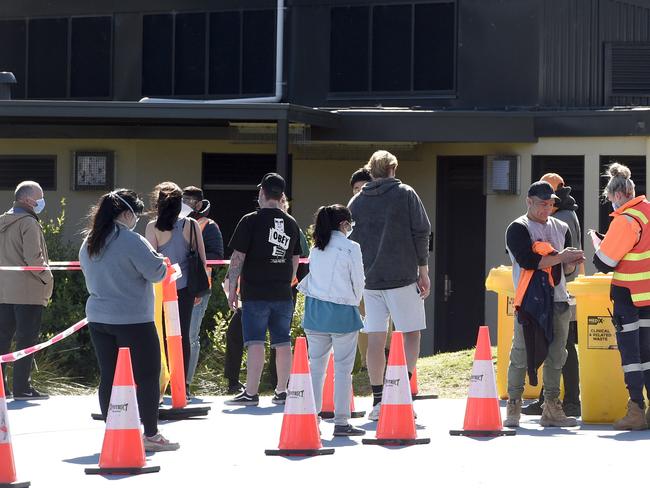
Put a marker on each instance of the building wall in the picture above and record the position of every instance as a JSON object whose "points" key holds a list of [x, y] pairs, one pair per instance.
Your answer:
{"points": [[140, 164]]}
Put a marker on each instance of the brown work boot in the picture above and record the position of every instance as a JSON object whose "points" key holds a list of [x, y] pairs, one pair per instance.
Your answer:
{"points": [[635, 418], [513, 413], [553, 415]]}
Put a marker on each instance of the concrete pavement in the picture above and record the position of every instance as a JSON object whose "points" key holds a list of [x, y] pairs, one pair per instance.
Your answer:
{"points": [[54, 440]]}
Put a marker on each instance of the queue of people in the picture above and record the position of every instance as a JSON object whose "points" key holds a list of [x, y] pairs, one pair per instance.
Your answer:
{"points": [[375, 250]]}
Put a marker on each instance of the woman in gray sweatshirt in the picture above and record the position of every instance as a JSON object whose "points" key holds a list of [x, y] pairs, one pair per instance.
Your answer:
{"points": [[120, 268]]}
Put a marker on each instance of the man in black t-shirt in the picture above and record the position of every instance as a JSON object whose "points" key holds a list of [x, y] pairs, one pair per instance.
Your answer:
{"points": [[266, 251]]}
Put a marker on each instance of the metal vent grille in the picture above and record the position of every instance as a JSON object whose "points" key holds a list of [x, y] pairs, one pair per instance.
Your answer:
{"points": [[14, 169], [629, 69]]}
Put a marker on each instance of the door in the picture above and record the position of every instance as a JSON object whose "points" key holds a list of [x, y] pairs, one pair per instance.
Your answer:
{"points": [[460, 252]]}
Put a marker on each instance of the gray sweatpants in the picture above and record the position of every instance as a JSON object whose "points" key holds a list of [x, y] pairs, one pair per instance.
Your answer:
{"points": [[345, 349], [554, 362]]}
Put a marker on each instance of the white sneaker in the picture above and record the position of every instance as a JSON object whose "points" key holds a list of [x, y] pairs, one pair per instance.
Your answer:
{"points": [[157, 443], [374, 415]]}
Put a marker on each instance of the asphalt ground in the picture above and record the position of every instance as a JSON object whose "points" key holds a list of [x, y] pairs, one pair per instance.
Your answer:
{"points": [[55, 439]]}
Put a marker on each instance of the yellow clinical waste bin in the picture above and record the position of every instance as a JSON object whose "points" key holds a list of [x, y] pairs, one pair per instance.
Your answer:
{"points": [[499, 280], [602, 390]]}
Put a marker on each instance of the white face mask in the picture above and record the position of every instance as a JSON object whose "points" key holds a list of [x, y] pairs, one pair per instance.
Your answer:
{"points": [[615, 206], [135, 217], [40, 205], [185, 210], [348, 232]]}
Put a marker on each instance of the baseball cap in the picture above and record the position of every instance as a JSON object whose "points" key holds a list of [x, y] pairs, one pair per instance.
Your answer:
{"points": [[554, 179], [542, 190], [272, 184]]}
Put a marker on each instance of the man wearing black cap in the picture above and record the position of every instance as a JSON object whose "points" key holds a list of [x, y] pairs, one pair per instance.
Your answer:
{"points": [[526, 239], [266, 252]]}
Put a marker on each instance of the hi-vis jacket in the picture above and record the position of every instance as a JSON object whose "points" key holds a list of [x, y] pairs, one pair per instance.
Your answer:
{"points": [[626, 249]]}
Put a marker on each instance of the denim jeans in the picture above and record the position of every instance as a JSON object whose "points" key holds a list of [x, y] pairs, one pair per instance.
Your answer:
{"points": [[260, 315], [198, 313]]}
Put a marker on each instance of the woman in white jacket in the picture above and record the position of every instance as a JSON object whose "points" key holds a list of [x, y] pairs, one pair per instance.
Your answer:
{"points": [[333, 290]]}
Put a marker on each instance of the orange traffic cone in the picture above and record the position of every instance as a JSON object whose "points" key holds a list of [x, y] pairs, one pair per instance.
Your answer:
{"points": [[123, 449], [396, 420], [179, 408], [300, 435], [7, 466], [415, 391], [482, 414], [327, 410]]}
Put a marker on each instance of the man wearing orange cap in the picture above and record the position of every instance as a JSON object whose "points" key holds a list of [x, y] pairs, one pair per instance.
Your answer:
{"points": [[565, 210]]}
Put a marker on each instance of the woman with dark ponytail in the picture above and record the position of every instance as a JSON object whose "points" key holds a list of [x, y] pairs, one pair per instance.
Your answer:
{"points": [[120, 267], [170, 236], [333, 290]]}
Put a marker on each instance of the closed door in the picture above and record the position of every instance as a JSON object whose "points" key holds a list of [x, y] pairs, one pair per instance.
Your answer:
{"points": [[460, 252]]}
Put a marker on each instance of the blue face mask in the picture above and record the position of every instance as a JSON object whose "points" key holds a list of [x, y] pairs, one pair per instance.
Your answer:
{"points": [[40, 205]]}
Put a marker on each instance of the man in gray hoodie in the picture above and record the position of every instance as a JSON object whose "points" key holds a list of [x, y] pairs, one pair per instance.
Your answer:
{"points": [[392, 228]]}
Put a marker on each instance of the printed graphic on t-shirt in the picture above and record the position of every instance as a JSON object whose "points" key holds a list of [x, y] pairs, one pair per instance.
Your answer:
{"points": [[280, 241]]}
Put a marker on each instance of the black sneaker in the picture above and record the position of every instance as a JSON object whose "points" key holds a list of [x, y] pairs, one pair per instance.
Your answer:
{"points": [[244, 399], [234, 388], [534, 408], [347, 430], [279, 398], [31, 394]]}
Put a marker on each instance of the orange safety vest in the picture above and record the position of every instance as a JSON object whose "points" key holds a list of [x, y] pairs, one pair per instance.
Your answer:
{"points": [[543, 249], [633, 270]]}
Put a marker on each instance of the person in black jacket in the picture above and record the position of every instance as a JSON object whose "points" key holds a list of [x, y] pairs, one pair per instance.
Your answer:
{"points": [[213, 241]]}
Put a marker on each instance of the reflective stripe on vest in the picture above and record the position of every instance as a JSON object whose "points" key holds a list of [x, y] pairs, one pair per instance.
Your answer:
{"points": [[633, 271]]}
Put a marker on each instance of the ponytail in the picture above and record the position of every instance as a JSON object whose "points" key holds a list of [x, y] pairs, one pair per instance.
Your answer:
{"points": [[102, 217], [329, 218]]}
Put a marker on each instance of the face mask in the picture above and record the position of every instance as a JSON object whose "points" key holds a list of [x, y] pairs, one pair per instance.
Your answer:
{"points": [[348, 232], [131, 209], [615, 206], [40, 205], [185, 210]]}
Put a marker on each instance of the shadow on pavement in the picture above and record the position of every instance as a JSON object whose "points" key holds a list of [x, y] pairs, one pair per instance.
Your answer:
{"points": [[84, 460], [254, 410], [21, 404]]}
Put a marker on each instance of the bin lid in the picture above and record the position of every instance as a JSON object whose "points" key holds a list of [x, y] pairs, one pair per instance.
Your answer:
{"points": [[597, 284], [500, 280]]}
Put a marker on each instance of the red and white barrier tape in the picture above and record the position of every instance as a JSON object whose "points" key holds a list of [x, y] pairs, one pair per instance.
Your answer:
{"points": [[13, 356], [75, 266]]}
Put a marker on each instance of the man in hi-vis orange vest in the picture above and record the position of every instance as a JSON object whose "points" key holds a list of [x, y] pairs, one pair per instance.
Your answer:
{"points": [[625, 250]]}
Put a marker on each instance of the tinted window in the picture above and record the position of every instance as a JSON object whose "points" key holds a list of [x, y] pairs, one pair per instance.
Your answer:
{"points": [[434, 39], [258, 52], [225, 35], [391, 48], [190, 54], [48, 58], [157, 50], [13, 34], [14, 169], [349, 49], [90, 71]]}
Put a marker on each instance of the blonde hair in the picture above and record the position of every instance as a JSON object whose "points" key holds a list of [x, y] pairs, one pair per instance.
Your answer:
{"points": [[619, 180], [380, 164]]}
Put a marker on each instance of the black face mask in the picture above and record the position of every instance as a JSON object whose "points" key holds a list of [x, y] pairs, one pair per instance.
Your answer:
{"points": [[563, 192]]}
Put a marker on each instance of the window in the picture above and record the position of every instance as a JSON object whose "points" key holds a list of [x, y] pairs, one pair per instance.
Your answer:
{"points": [[14, 33], [90, 57], [48, 58], [393, 48], [93, 170], [14, 169], [58, 58], [228, 53]]}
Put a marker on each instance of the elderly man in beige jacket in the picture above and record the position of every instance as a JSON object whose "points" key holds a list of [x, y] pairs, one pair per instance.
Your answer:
{"points": [[23, 294]]}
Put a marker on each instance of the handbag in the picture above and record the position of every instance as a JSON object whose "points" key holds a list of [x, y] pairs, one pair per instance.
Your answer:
{"points": [[197, 280]]}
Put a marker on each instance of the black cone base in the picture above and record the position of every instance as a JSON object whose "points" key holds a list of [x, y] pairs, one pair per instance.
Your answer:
{"points": [[182, 413], [483, 433], [17, 484], [146, 469], [430, 396], [396, 442], [354, 415], [298, 452]]}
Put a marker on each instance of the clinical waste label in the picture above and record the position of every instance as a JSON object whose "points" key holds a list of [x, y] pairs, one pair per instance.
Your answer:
{"points": [[600, 332], [510, 306]]}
